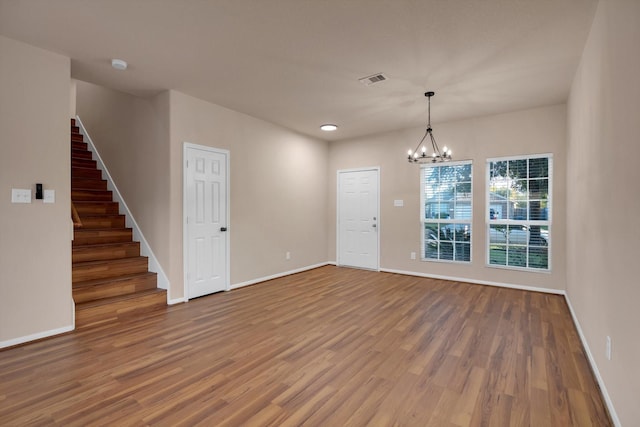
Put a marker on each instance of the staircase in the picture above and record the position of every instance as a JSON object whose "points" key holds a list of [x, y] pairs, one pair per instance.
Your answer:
{"points": [[111, 280]]}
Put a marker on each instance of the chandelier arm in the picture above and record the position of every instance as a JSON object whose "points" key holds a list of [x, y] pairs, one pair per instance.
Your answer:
{"points": [[421, 141], [434, 144]]}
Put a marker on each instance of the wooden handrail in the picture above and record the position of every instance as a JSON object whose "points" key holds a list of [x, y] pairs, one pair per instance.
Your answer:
{"points": [[77, 222]]}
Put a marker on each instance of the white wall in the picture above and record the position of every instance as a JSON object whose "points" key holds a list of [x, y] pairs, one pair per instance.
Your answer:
{"points": [[278, 190], [540, 130], [277, 177], [603, 200], [132, 137], [35, 239]]}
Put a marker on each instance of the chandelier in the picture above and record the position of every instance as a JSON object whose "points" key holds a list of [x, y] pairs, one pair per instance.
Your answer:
{"points": [[419, 155]]}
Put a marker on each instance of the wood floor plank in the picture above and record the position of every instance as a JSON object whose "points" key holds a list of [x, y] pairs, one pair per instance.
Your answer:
{"points": [[328, 347]]}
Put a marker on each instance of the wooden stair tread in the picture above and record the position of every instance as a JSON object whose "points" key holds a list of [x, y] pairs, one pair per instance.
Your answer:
{"points": [[93, 230], [91, 195], [80, 168], [120, 298], [96, 207], [86, 188], [96, 289], [77, 153], [106, 216], [108, 310], [94, 202], [105, 245], [105, 251], [115, 279], [108, 268], [107, 220], [115, 261], [86, 173], [93, 236]]}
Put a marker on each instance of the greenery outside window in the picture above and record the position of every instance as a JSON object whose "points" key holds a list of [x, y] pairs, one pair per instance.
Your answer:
{"points": [[519, 212], [446, 211]]}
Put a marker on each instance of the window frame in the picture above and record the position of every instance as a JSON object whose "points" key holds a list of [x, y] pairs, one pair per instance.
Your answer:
{"points": [[423, 220], [548, 223]]}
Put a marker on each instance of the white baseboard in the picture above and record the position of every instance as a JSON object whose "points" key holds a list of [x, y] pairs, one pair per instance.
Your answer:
{"points": [[477, 282], [275, 276], [37, 336], [594, 366], [176, 300]]}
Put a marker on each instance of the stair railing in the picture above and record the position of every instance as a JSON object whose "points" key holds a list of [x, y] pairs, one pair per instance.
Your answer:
{"points": [[77, 222]]}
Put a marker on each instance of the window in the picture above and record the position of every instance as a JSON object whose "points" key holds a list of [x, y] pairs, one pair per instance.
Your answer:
{"points": [[519, 212], [447, 212]]}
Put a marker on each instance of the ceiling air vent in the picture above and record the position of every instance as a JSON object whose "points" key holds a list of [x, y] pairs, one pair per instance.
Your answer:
{"points": [[375, 78]]}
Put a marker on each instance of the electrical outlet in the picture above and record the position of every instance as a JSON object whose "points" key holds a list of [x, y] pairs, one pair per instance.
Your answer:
{"points": [[413, 255], [287, 255], [608, 348]]}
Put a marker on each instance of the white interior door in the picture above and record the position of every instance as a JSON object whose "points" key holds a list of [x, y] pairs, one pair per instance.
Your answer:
{"points": [[358, 215], [206, 236]]}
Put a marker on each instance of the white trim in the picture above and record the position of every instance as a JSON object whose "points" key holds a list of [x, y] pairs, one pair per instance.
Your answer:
{"points": [[477, 282], [546, 223], [176, 300], [36, 336], [594, 366], [186, 146], [447, 163], [278, 275], [378, 228], [519, 157], [145, 248], [439, 221]]}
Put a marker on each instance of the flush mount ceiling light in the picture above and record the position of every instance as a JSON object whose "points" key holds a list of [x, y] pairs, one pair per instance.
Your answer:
{"points": [[420, 154], [328, 127], [119, 64]]}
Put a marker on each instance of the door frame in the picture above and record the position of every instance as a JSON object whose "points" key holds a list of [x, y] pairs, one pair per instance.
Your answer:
{"points": [[338, 172], [185, 258]]}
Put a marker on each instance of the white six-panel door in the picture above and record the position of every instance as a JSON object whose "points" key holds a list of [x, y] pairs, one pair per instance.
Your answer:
{"points": [[358, 218], [206, 257]]}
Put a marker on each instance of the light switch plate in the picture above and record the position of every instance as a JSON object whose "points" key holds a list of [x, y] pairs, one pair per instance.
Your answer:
{"points": [[398, 203], [49, 196], [20, 195]]}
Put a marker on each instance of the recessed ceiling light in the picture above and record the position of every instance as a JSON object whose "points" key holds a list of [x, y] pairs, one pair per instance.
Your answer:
{"points": [[328, 127], [119, 64]]}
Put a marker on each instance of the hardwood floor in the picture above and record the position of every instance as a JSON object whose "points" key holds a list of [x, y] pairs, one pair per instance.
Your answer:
{"points": [[328, 347]]}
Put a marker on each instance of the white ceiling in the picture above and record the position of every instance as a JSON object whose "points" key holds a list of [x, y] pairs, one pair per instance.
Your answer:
{"points": [[296, 63]]}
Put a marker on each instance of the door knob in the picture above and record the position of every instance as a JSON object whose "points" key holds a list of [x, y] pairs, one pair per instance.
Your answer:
{"points": [[223, 228]]}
